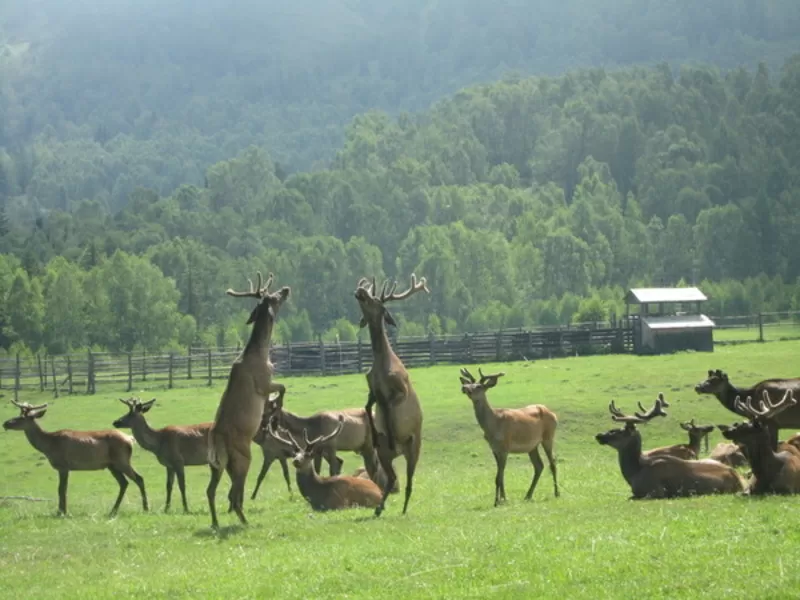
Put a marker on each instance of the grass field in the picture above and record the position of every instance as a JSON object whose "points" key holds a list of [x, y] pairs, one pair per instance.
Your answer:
{"points": [[590, 543]]}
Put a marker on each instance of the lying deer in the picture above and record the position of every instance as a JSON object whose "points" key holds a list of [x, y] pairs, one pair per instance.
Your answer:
{"points": [[175, 446], [69, 450], [729, 454], [512, 431], [773, 472], [663, 476], [325, 493], [690, 451]]}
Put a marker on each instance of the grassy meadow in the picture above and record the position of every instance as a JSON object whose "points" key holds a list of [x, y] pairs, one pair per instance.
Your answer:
{"points": [[592, 542]]}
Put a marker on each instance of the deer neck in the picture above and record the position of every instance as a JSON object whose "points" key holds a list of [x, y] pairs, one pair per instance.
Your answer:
{"points": [[484, 413], [39, 439], [292, 422], [379, 340], [727, 396], [309, 483], [694, 443], [763, 459], [630, 459], [260, 336], [147, 437]]}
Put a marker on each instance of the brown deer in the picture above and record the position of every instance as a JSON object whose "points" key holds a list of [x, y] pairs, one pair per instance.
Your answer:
{"points": [[717, 384], [512, 431], [272, 450], [773, 472], [325, 493], [175, 446], [396, 426], [729, 453], [690, 451], [242, 404], [69, 450], [663, 476]]}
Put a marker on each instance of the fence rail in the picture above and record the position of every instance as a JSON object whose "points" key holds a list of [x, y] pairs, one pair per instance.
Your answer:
{"points": [[85, 372]]}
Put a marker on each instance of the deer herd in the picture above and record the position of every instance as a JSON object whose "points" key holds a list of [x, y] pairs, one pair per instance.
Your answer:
{"points": [[251, 409]]}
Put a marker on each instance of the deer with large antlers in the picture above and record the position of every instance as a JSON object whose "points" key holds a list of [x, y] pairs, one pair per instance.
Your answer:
{"points": [[396, 426], [773, 472], [718, 385], [69, 450], [512, 431], [690, 451], [175, 446], [663, 476], [325, 493], [242, 404]]}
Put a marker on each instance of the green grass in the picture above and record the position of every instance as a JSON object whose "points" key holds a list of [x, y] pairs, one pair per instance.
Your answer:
{"points": [[590, 543]]}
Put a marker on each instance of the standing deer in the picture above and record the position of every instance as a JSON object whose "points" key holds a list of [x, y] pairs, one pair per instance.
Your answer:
{"points": [[773, 472], [175, 446], [325, 493], [690, 451], [272, 450], [397, 423], [663, 476], [718, 385], [242, 404], [69, 450], [512, 431]]}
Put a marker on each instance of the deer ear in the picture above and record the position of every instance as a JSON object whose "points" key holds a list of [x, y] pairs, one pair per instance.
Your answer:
{"points": [[362, 323], [146, 406], [252, 317], [38, 414], [464, 381], [387, 316]]}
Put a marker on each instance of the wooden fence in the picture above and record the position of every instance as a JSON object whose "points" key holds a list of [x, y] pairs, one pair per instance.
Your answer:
{"points": [[87, 372]]}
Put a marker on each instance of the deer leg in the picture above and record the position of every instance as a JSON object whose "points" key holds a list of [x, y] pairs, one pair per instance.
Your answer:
{"points": [[123, 485], [411, 453], [170, 481], [138, 480], [387, 420], [237, 470], [548, 450], [182, 486], [368, 408], [318, 462], [211, 493], [261, 474], [334, 462], [499, 485], [63, 478], [286, 477], [385, 457], [538, 467]]}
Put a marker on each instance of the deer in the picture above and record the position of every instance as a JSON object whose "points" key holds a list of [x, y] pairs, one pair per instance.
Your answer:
{"points": [[396, 426], [512, 431], [242, 405], [68, 450], [175, 446], [272, 451], [690, 451], [773, 472], [729, 453], [325, 493], [663, 476], [718, 385]]}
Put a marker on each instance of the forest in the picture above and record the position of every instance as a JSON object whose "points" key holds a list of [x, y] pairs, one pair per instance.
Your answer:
{"points": [[129, 207]]}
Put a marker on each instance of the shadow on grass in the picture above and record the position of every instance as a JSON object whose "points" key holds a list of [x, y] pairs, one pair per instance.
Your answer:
{"points": [[223, 533]]}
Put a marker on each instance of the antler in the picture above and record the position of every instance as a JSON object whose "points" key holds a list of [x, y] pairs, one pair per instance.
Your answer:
{"points": [[367, 285], [291, 442], [25, 407], [490, 379], [467, 375], [768, 410], [618, 416], [255, 292], [656, 411], [323, 438], [415, 287], [687, 425]]}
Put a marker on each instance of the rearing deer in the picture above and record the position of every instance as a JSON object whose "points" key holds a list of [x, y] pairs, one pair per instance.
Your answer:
{"points": [[242, 404], [512, 430], [397, 423], [69, 450]]}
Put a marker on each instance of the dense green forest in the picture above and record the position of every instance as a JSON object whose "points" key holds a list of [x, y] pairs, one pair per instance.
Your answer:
{"points": [[526, 201], [154, 154]]}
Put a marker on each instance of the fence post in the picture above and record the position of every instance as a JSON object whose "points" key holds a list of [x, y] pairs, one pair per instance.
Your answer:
{"points": [[16, 380], [171, 361], [55, 381], [322, 354], [41, 376], [359, 362], [144, 364], [432, 348], [69, 373], [760, 327], [209, 367], [89, 372], [498, 346], [130, 371], [288, 356], [189, 362]]}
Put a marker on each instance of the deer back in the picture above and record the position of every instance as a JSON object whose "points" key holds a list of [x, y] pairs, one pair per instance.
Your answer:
{"points": [[521, 429], [89, 450], [188, 443], [667, 476]]}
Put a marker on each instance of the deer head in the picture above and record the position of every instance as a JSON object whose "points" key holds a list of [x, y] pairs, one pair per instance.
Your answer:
{"points": [[268, 301], [135, 407], [304, 454], [697, 432], [27, 413], [619, 438], [476, 390], [759, 418], [716, 383], [373, 308]]}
